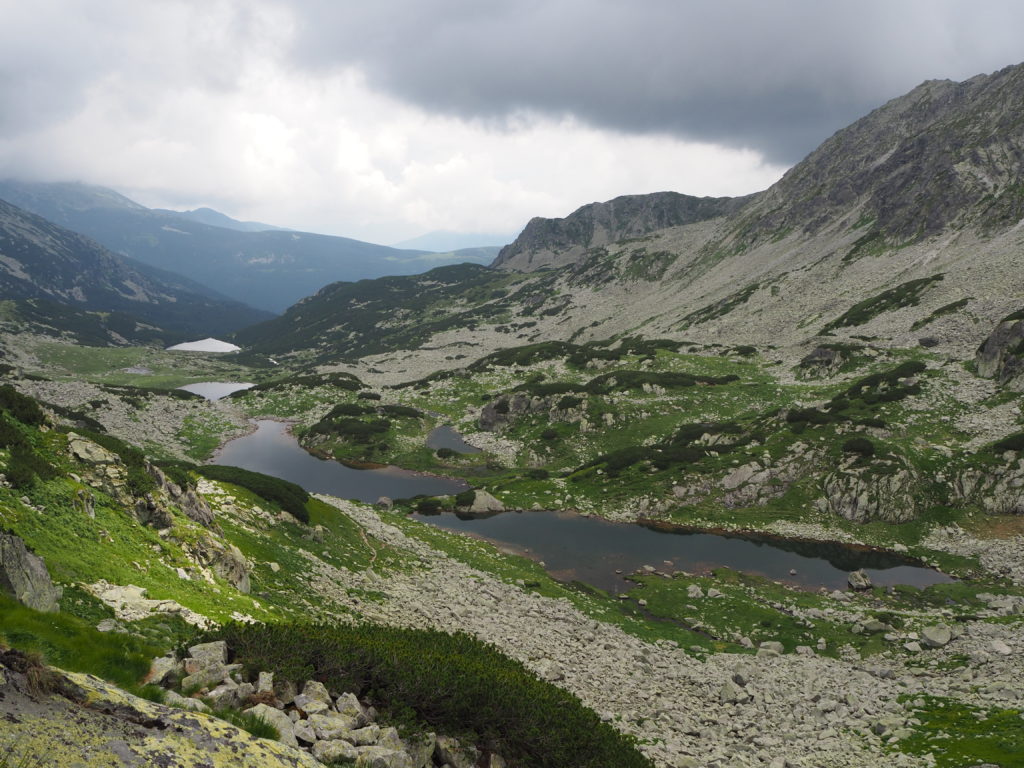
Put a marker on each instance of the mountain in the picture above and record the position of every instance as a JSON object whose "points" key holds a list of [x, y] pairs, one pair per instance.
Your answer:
{"points": [[557, 242], [218, 219], [443, 241], [904, 225], [266, 269], [55, 275]]}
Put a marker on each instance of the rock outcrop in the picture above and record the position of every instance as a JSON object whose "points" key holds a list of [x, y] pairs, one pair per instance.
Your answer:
{"points": [[24, 575], [1001, 355], [557, 242], [84, 717]]}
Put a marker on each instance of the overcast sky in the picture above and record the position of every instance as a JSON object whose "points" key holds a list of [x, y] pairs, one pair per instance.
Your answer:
{"points": [[382, 120]]}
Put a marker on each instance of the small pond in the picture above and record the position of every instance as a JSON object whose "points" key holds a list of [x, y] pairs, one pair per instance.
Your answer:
{"points": [[446, 437], [590, 549], [273, 451], [215, 390]]}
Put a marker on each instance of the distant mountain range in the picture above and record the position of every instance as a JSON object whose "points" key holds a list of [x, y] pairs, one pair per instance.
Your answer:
{"points": [[266, 268], [58, 281]]}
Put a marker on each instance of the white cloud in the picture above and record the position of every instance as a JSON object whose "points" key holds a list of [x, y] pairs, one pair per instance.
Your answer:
{"points": [[201, 108]]}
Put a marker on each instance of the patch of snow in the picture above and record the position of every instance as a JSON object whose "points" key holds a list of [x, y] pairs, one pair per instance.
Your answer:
{"points": [[205, 345]]}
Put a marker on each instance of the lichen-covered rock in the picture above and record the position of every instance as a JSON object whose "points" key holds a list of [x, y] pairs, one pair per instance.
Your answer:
{"points": [[89, 718], [278, 719], [24, 575], [381, 757]]}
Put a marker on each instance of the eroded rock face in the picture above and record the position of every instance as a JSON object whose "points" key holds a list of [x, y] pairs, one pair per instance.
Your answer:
{"points": [[863, 494], [226, 560], [102, 469], [24, 575], [822, 361], [1001, 356]]}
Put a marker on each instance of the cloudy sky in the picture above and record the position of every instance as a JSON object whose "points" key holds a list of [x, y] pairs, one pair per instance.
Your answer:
{"points": [[383, 120]]}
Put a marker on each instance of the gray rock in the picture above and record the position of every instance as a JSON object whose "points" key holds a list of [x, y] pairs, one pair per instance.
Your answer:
{"points": [[334, 750], [348, 705], [485, 502], [448, 750], [210, 652], [162, 669], [278, 719], [333, 726], [730, 693], [365, 736], [111, 625], [284, 691], [314, 689], [936, 636], [379, 757], [859, 580], [421, 750], [998, 646], [24, 575], [304, 732], [389, 739], [265, 682], [174, 699], [311, 706]]}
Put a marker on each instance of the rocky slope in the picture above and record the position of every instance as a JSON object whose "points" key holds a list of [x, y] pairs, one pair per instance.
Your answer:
{"points": [[904, 226], [560, 242]]}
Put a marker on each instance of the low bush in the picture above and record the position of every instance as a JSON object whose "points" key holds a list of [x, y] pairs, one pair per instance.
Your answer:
{"points": [[441, 682], [1011, 443], [22, 407], [861, 445]]}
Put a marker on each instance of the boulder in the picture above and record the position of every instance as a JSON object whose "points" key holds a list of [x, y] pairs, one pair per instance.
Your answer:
{"points": [[150, 512], [859, 580], [350, 707], [314, 689], [421, 750], [162, 669], [485, 502], [334, 751], [936, 636], [210, 652], [174, 699], [381, 757], [278, 719], [450, 752], [24, 576]]}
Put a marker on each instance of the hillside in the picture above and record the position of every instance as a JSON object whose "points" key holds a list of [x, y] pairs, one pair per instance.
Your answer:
{"points": [[269, 269], [921, 197], [55, 275]]}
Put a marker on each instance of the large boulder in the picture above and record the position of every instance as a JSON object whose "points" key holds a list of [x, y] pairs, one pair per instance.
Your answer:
{"points": [[859, 580], [24, 575], [1001, 355], [485, 502]]}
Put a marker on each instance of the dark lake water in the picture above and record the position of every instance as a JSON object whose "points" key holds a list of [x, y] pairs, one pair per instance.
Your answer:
{"points": [[572, 547], [589, 549], [446, 437], [272, 451], [215, 390]]}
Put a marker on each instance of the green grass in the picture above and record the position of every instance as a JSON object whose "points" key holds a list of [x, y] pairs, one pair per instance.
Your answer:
{"points": [[70, 643], [957, 734]]}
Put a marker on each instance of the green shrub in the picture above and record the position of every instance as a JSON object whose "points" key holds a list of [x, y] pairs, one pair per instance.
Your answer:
{"points": [[1011, 443], [290, 497], [538, 474], [430, 506], [442, 682], [549, 434], [368, 396], [444, 453], [25, 467], [906, 294], [22, 407], [465, 498], [861, 445]]}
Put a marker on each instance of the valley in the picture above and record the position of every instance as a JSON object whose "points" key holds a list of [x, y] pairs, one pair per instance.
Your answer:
{"points": [[722, 482]]}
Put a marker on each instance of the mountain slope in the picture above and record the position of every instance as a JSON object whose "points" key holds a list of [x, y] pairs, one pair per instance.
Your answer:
{"points": [[266, 269], [47, 265], [906, 225], [557, 242]]}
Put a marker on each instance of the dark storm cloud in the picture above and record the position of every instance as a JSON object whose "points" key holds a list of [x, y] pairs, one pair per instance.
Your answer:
{"points": [[778, 77]]}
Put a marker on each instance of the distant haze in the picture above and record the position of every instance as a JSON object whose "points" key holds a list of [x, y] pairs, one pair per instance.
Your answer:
{"points": [[381, 121], [441, 242]]}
